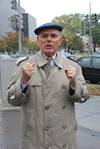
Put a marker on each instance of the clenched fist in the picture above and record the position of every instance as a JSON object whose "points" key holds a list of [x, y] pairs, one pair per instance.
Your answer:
{"points": [[27, 71], [71, 74]]}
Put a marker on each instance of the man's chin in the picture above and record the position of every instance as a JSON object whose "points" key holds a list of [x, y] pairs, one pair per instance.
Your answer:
{"points": [[49, 53]]}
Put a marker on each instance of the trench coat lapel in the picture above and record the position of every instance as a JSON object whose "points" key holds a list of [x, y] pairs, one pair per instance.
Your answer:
{"points": [[40, 77], [41, 61]]}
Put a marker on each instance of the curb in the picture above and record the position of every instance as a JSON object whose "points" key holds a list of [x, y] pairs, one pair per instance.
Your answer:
{"points": [[9, 108]]}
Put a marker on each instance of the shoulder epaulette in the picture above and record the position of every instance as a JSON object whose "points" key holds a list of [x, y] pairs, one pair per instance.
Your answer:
{"points": [[21, 59], [73, 59]]}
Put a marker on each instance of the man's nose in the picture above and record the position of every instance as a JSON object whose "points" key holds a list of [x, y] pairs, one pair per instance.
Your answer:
{"points": [[49, 37]]}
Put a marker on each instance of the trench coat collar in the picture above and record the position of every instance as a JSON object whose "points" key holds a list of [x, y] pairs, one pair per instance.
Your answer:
{"points": [[41, 61]]}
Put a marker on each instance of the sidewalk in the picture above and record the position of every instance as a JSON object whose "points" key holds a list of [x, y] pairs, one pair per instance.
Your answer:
{"points": [[88, 119], [88, 113]]}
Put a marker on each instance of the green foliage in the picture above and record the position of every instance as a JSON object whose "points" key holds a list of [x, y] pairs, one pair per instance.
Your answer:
{"points": [[10, 43], [96, 32], [72, 29], [77, 43], [36, 47], [31, 45]]}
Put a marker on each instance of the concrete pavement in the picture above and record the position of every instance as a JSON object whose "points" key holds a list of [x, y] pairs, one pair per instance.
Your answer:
{"points": [[88, 119], [88, 113]]}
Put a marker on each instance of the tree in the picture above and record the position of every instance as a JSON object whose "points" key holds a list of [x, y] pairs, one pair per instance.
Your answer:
{"points": [[96, 33], [10, 42], [31, 46], [72, 28], [95, 28], [77, 43]]}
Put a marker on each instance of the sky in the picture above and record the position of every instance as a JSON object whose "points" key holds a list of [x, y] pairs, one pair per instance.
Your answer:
{"points": [[46, 10]]}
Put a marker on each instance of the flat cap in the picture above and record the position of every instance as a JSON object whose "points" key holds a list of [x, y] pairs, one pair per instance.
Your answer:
{"points": [[47, 25]]}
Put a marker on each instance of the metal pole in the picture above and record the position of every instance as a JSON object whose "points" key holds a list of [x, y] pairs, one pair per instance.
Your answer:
{"points": [[19, 35], [90, 29], [84, 37]]}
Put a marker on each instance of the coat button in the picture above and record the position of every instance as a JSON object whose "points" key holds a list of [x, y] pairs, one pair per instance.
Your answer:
{"points": [[64, 127], [47, 128], [46, 146], [64, 86], [47, 108], [63, 107], [64, 145]]}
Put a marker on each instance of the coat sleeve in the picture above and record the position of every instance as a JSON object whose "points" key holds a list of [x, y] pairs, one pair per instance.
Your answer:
{"points": [[81, 90], [14, 93]]}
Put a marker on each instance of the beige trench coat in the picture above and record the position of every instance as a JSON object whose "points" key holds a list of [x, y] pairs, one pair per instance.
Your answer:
{"points": [[48, 110]]}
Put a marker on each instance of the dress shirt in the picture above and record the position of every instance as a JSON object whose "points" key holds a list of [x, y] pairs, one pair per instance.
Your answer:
{"points": [[52, 60]]}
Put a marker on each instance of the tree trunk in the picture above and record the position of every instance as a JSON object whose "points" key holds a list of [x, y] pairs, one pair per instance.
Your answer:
{"points": [[94, 47]]}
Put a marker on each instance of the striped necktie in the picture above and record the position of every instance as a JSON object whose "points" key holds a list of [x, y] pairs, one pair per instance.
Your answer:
{"points": [[49, 61], [49, 66]]}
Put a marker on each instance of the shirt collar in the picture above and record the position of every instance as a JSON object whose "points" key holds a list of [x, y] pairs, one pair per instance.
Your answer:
{"points": [[41, 60], [53, 57]]}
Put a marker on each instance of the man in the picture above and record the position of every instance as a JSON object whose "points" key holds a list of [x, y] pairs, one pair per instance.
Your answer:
{"points": [[47, 90]]}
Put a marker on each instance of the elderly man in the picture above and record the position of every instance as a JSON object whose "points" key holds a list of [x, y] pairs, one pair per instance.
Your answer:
{"points": [[46, 85]]}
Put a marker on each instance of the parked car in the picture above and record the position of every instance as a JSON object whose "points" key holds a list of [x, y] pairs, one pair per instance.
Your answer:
{"points": [[65, 53], [4, 56], [68, 55], [96, 53], [16, 55], [91, 67]]}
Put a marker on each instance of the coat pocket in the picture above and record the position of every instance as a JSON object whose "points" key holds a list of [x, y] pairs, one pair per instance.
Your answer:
{"points": [[29, 124]]}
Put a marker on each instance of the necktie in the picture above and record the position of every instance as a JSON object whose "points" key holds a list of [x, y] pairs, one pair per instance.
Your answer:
{"points": [[49, 61], [49, 66]]}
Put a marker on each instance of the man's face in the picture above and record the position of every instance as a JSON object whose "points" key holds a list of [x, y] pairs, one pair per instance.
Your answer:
{"points": [[49, 41]]}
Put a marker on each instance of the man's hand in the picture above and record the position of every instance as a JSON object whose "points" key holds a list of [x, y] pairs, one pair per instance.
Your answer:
{"points": [[27, 71], [71, 74]]}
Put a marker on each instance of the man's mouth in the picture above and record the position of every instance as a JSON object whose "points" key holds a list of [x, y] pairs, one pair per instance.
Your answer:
{"points": [[49, 46]]}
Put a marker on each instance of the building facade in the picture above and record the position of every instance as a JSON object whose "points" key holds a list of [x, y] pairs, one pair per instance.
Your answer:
{"points": [[6, 12], [29, 26]]}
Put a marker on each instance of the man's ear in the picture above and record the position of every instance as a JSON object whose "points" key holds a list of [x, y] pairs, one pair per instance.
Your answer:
{"points": [[60, 40], [38, 40]]}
